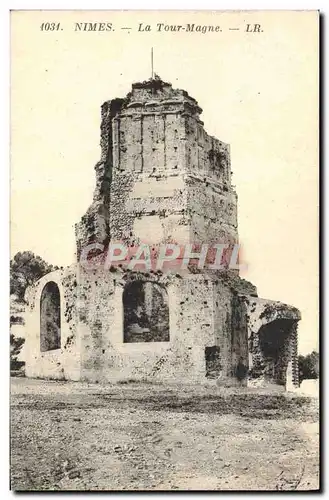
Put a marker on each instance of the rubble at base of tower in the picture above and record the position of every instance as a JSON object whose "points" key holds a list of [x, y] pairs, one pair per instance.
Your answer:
{"points": [[161, 178]]}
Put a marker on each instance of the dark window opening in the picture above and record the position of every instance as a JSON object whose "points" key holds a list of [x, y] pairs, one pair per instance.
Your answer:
{"points": [[50, 318], [274, 344], [213, 365], [146, 312]]}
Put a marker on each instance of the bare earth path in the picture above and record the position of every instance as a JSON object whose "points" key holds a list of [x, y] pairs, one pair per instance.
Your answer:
{"points": [[140, 436]]}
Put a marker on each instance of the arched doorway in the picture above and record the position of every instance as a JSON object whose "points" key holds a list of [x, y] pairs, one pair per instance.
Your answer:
{"points": [[50, 318], [274, 341]]}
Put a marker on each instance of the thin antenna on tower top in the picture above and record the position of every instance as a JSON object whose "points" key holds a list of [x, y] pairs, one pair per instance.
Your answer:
{"points": [[152, 75]]}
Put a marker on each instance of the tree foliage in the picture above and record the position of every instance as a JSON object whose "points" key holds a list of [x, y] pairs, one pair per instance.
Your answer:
{"points": [[16, 344], [25, 269], [308, 366]]}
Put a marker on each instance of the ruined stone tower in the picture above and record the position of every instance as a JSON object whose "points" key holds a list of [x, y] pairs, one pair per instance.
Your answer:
{"points": [[161, 178]]}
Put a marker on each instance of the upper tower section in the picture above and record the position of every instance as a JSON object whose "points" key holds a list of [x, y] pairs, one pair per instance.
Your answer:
{"points": [[157, 129], [161, 177]]}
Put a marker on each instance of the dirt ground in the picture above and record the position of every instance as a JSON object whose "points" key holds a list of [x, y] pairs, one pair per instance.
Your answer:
{"points": [[141, 436]]}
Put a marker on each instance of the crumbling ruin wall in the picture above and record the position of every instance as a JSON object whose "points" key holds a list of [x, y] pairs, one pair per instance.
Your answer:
{"points": [[221, 306], [212, 212], [239, 336], [57, 363], [206, 155], [148, 210], [292, 374], [272, 338], [230, 333], [212, 201], [94, 225]]}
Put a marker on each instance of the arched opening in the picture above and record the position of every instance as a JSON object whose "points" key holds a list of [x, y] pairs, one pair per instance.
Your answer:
{"points": [[146, 312], [274, 340], [50, 318]]}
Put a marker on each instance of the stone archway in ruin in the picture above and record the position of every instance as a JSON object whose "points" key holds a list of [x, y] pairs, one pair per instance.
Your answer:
{"points": [[272, 342], [274, 349]]}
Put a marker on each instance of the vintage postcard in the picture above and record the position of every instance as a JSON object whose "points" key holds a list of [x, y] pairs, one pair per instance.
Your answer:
{"points": [[164, 250]]}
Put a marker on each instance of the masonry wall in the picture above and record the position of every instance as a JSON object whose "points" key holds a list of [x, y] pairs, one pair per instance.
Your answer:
{"points": [[211, 201], [104, 354], [149, 210], [212, 212], [148, 194], [92, 329], [230, 335]]}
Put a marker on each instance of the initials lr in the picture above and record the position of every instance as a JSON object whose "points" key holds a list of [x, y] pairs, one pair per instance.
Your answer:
{"points": [[253, 28]]}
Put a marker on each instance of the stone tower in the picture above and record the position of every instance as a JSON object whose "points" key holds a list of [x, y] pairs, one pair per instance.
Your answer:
{"points": [[160, 179]]}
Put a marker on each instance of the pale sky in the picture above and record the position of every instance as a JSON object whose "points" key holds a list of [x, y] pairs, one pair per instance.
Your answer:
{"points": [[258, 91]]}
